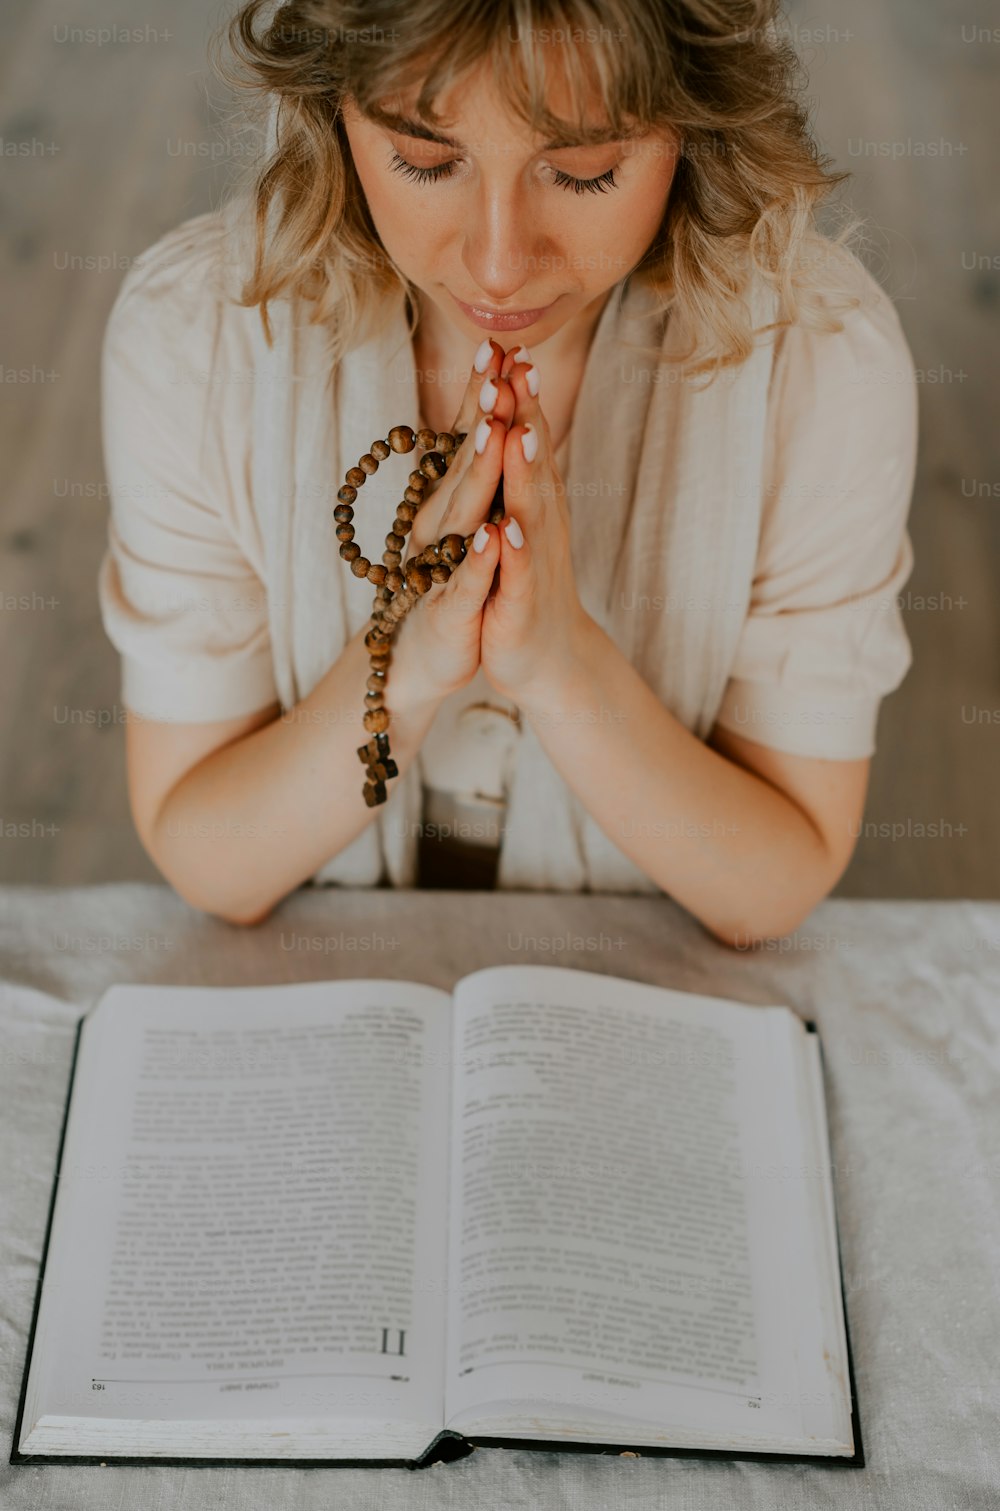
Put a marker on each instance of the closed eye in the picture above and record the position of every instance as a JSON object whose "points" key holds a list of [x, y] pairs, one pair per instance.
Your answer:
{"points": [[599, 185], [420, 175]]}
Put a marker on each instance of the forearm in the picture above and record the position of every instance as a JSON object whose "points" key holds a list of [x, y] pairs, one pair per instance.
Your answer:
{"points": [[729, 846], [256, 818]]}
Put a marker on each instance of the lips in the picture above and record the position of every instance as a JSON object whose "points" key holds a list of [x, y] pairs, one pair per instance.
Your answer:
{"points": [[501, 320], [487, 309]]}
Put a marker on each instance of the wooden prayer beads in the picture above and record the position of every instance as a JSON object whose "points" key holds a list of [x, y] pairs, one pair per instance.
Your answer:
{"points": [[397, 588]]}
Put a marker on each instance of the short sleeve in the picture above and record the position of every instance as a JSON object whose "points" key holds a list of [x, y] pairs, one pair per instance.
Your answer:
{"points": [[824, 639], [181, 583]]}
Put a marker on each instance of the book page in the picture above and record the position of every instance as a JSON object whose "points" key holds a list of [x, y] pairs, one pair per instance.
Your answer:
{"points": [[251, 1210], [826, 1314], [617, 1247]]}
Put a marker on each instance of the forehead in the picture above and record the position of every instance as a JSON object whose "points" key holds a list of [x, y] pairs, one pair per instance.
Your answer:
{"points": [[558, 97]]}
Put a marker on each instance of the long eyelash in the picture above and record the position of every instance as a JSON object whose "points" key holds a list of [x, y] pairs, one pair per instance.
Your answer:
{"points": [[420, 175], [599, 185]]}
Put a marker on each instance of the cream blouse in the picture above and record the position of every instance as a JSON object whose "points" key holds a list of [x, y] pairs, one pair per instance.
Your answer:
{"points": [[184, 585]]}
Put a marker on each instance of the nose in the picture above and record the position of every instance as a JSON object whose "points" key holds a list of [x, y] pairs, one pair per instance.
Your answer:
{"points": [[502, 251]]}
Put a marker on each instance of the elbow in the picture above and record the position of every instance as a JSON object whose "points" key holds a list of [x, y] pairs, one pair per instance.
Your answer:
{"points": [[227, 911], [764, 914], [243, 920], [239, 911], [767, 928], [746, 940], [768, 921]]}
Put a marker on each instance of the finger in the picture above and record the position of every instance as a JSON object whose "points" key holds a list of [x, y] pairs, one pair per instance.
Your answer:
{"points": [[495, 398], [426, 522], [483, 396], [524, 380], [485, 368], [466, 590], [491, 395], [514, 354], [470, 503], [515, 562], [525, 481]]}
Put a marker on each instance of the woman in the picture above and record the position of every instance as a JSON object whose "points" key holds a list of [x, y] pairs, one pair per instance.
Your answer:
{"points": [[584, 237]]}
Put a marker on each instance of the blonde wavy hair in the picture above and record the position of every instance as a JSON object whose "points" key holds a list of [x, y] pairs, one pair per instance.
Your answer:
{"points": [[719, 74]]}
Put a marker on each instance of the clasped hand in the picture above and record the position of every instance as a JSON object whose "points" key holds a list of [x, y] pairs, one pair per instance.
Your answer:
{"points": [[512, 605]]}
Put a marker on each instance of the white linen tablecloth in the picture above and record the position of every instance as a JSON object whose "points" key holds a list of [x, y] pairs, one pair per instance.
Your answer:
{"points": [[907, 999]]}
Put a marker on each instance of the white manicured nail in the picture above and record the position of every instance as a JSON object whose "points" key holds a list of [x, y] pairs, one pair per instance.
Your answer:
{"points": [[533, 381], [488, 395], [529, 443], [482, 357], [480, 538], [482, 436], [522, 354], [512, 530]]}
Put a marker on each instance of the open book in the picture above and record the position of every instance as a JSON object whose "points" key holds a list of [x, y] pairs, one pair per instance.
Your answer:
{"points": [[368, 1221]]}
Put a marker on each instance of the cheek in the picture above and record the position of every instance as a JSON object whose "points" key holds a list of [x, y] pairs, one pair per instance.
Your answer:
{"points": [[623, 227], [646, 207], [646, 192], [403, 228]]}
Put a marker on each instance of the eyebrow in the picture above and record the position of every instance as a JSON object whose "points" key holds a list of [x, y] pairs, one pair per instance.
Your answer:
{"points": [[593, 136]]}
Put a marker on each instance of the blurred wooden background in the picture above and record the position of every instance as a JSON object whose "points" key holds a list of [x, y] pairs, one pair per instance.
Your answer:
{"points": [[109, 143]]}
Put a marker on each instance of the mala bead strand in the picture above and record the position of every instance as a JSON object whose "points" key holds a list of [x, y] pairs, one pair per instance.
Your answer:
{"points": [[397, 588]]}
